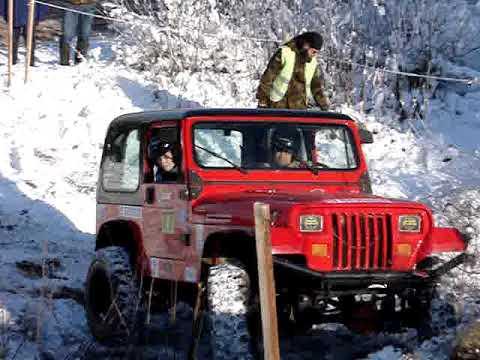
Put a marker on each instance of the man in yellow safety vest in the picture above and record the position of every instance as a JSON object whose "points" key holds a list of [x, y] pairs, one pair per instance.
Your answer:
{"points": [[292, 79]]}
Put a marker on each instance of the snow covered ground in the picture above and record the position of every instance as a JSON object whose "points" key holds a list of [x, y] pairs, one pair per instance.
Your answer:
{"points": [[51, 133]]}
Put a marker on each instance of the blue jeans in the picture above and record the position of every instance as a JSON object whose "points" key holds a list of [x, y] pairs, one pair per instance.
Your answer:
{"points": [[75, 24]]}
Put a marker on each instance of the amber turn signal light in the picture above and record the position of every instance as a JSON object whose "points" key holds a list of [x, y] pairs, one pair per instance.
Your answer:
{"points": [[320, 250], [404, 249]]}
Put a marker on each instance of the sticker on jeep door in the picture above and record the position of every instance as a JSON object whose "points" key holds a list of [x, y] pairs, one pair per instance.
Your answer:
{"points": [[168, 222], [357, 201], [133, 212], [199, 237], [164, 195]]}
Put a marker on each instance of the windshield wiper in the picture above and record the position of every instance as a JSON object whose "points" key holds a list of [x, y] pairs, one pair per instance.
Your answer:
{"points": [[239, 168], [314, 167]]}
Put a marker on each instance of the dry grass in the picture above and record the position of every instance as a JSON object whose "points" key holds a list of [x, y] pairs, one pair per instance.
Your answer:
{"points": [[468, 346]]}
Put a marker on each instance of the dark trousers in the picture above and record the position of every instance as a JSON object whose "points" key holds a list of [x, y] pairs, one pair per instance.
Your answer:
{"points": [[22, 31]]}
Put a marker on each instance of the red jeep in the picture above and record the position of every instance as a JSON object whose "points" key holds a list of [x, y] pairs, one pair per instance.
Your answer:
{"points": [[175, 216]]}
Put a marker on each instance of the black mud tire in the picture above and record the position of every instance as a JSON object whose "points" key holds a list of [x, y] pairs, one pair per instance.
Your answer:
{"points": [[443, 314], [111, 277], [228, 295], [432, 313]]}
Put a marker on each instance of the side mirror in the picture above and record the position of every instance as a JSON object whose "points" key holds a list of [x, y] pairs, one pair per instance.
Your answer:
{"points": [[366, 137]]}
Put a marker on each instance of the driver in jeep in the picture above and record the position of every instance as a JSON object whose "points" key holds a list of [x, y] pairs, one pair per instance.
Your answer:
{"points": [[283, 153], [163, 156]]}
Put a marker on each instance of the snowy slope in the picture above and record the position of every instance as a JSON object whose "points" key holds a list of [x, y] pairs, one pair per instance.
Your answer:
{"points": [[52, 132], [51, 137]]}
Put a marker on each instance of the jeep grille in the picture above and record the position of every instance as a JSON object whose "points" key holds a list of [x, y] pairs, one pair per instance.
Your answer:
{"points": [[362, 241]]}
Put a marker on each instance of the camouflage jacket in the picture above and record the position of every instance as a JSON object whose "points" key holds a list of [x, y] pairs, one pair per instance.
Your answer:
{"points": [[295, 97]]}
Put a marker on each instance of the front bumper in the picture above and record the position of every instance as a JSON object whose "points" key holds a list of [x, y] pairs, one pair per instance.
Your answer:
{"points": [[300, 275]]}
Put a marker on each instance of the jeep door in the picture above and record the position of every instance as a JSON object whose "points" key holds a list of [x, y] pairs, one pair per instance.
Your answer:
{"points": [[166, 209]]}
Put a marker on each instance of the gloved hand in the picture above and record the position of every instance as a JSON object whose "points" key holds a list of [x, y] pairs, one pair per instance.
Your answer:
{"points": [[262, 104]]}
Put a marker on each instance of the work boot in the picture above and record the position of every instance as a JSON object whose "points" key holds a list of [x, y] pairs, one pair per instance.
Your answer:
{"points": [[64, 53], [15, 41], [82, 50], [15, 53]]}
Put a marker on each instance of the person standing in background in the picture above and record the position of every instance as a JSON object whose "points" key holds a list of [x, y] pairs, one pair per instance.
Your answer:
{"points": [[20, 20], [293, 79], [76, 25]]}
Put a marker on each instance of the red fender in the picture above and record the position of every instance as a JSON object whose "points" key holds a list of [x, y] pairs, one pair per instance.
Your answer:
{"points": [[447, 240]]}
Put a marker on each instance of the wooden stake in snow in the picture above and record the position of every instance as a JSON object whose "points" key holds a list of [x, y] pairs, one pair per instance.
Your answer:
{"points": [[266, 282], [31, 12], [10, 41]]}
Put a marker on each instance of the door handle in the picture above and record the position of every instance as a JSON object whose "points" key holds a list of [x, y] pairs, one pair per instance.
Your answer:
{"points": [[150, 195]]}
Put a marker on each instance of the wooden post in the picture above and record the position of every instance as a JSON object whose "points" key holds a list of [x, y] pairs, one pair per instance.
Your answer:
{"points": [[31, 13], [266, 282], [10, 41]]}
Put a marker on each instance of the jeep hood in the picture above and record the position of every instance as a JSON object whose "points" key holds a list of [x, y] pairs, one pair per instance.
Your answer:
{"points": [[238, 207]]}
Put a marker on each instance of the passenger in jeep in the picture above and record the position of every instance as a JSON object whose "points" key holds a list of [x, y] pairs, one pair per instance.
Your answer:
{"points": [[163, 156], [284, 153]]}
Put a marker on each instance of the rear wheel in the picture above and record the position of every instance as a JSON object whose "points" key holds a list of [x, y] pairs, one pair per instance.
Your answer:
{"points": [[112, 297], [228, 295]]}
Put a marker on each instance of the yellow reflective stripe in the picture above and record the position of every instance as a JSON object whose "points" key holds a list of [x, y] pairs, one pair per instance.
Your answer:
{"points": [[280, 84], [283, 79], [275, 93]]}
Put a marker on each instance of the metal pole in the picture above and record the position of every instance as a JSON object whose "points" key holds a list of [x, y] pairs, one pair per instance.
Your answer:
{"points": [[31, 12], [266, 282], [10, 41]]}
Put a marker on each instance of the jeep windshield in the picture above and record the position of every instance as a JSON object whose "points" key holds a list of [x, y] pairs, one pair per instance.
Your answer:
{"points": [[263, 145]]}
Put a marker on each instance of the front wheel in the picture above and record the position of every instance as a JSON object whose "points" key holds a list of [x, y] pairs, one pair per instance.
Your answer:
{"points": [[228, 295], [432, 313]]}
